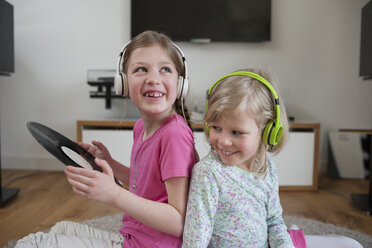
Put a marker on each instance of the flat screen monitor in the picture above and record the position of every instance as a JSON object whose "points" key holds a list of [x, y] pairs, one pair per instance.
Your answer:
{"points": [[204, 20], [6, 38]]}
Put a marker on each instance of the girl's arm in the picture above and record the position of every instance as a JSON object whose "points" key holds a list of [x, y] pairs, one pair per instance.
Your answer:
{"points": [[201, 208], [167, 217]]}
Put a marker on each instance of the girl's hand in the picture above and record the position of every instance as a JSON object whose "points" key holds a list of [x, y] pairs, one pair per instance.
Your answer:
{"points": [[95, 185], [98, 150]]}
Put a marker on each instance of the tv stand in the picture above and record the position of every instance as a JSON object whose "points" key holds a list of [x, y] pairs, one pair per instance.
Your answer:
{"points": [[6, 194]]}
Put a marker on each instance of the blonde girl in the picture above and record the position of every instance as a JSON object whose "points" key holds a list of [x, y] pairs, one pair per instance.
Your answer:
{"points": [[233, 198]]}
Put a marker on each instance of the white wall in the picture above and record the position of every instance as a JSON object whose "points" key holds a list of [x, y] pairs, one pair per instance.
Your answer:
{"points": [[314, 52]]}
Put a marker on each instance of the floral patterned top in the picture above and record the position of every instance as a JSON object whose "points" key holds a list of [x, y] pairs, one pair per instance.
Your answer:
{"points": [[230, 207]]}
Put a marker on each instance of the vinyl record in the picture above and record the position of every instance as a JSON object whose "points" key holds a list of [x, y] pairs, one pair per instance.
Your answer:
{"points": [[64, 149]]}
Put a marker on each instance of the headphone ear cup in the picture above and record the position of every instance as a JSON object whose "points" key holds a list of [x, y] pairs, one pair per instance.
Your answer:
{"points": [[272, 133], [276, 134], [118, 84], [266, 133], [121, 85], [185, 87], [125, 85], [180, 87]]}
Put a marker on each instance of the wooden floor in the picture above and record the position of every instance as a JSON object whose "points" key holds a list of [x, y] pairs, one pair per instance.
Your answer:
{"points": [[47, 198]]}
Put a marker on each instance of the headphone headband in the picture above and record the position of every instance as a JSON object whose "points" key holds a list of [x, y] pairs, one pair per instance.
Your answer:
{"points": [[274, 129], [248, 74]]}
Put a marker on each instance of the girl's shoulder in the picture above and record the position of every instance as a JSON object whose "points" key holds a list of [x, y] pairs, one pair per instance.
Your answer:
{"points": [[138, 128], [271, 172], [209, 159], [271, 166], [173, 128], [175, 131], [138, 123], [208, 165], [174, 121], [175, 124]]}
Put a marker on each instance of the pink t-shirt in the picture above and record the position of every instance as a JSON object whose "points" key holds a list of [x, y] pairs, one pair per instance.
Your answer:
{"points": [[168, 153]]}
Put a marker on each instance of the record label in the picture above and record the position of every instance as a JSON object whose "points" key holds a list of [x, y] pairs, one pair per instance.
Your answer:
{"points": [[76, 157]]}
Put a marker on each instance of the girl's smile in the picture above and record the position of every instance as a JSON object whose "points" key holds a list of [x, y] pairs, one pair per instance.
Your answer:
{"points": [[227, 153], [155, 94]]}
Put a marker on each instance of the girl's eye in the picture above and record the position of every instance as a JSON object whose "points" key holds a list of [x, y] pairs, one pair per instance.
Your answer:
{"points": [[236, 132], [216, 128], [165, 69], [141, 69]]}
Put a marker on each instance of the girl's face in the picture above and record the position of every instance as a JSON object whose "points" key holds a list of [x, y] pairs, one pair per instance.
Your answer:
{"points": [[236, 138], [152, 79]]}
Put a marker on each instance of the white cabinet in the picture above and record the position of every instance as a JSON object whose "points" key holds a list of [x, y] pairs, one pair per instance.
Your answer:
{"points": [[297, 163], [118, 142]]}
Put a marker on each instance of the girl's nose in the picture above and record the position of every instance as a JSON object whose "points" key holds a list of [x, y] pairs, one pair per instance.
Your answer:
{"points": [[224, 140], [153, 78]]}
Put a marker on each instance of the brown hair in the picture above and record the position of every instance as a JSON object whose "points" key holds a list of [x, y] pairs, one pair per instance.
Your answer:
{"points": [[149, 38]]}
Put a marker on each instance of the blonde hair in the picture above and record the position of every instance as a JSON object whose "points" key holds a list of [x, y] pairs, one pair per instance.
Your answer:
{"points": [[149, 38], [242, 93]]}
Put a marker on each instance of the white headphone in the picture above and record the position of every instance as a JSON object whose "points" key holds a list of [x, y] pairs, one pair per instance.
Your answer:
{"points": [[121, 82]]}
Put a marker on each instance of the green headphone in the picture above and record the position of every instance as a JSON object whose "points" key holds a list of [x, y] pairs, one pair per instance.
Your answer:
{"points": [[274, 128]]}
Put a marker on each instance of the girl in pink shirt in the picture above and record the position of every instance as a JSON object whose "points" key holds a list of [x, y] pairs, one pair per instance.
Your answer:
{"points": [[153, 74], [152, 71]]}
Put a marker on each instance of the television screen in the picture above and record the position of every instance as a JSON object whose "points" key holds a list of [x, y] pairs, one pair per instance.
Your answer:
{"points": [[6, 38], [365, 64], [204, 20]]}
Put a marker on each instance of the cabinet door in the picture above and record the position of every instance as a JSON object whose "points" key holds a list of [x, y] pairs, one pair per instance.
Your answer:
{"points": [[118, 142], [295, 162]]}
